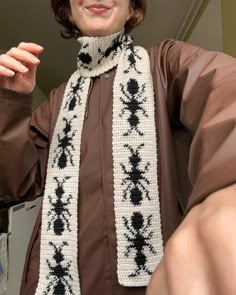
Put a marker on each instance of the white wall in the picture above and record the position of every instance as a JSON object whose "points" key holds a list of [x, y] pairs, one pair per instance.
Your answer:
{"points": [[208, 33]]}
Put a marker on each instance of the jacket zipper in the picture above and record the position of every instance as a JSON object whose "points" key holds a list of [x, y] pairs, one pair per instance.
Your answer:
{"points": [[87, 103]]}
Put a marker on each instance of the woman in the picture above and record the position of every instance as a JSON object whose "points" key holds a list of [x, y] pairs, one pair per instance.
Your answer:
{"points": [[138, 161]]}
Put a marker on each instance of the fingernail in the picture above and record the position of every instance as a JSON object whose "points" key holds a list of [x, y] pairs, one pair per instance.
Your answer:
{"points": [[35, 59], [10, 73], [24, 69]]}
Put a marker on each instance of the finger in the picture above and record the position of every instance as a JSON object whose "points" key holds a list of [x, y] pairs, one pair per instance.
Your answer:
{"points": [[23, 56], [31, 47], [6, 72], [31, 73], [12, 64]]}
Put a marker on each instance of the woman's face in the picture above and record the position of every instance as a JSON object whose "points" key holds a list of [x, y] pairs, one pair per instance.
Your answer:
{"points": [[100, 17]]}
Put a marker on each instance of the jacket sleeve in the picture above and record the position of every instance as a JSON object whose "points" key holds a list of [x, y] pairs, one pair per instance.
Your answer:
{"points": [[24, 141], [201, 86]]}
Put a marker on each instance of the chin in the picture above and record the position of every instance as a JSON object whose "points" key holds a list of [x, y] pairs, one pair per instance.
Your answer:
{"points": [[99, 29], [99, 33]]}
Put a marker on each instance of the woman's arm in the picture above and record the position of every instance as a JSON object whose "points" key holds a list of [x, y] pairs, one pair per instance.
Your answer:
{"points": [[200, 257], [24, 141], [202, 87], [201, 95], [23, 148]]}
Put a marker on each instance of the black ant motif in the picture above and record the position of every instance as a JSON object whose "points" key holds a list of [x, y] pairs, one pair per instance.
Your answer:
{"points": [[74, 94], [139, 241], [59, 275], [132, 58], [59, 212], [112, 50], [133, 103], [84, 58], [135, 179], [65, 146]]}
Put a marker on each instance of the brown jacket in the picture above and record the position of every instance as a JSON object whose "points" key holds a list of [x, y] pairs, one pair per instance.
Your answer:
{"points": [[195, 94]]}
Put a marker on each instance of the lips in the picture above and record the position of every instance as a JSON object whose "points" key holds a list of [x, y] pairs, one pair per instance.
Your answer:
{"points": [[98, 8]]}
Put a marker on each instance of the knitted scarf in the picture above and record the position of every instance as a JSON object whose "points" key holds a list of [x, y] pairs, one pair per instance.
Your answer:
{"points": [[136, 198]]}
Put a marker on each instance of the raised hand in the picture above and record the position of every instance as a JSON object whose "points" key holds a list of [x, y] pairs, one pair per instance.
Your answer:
{"points": [[18, 67]]}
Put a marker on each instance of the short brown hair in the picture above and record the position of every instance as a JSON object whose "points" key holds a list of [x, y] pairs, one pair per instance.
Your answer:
{"points": [[62, 13]]}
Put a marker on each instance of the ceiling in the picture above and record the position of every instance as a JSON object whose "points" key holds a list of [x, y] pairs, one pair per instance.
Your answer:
{"points": [[33, 21]]}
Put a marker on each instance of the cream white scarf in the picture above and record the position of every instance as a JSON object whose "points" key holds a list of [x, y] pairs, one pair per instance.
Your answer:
{"points": [[136, 198]]}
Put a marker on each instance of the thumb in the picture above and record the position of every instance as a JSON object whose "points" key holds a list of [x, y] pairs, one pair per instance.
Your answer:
{"points": [[31, 73], [32, 68]]}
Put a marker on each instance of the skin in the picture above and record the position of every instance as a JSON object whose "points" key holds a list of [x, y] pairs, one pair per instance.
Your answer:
{"points": [[19, 65], [200, 256], [95, 24], [198, 259]]}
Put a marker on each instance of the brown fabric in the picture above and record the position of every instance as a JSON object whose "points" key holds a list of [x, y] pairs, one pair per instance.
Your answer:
{"points": [[195, 117]]}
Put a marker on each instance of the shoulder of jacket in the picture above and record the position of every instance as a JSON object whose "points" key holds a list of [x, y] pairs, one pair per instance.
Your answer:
{"points": [[166, 45]]}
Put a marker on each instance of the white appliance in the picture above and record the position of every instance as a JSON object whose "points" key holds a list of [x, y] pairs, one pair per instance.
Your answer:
{"points": [[22, 218]]}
